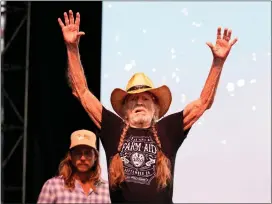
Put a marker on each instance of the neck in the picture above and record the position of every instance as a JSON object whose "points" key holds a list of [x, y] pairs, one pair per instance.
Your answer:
{"points": [[82, 177]]}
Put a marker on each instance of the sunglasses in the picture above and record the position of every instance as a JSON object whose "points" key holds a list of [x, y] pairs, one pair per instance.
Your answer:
{"points": [[88, 154]]}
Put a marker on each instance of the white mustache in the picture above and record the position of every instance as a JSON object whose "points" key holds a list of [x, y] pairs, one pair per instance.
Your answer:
{"points": [[139, 106]]}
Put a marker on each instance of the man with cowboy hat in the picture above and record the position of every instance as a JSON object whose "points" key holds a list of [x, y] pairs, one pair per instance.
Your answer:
{"points": [[79, 174], [140, 143]]}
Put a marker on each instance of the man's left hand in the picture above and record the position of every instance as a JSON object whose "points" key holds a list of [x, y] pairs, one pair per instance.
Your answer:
{"points": [[223, 44]]}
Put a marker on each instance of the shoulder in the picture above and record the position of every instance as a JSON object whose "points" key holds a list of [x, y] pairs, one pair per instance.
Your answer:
{"points": [[110, 120], [55, 181], [108, 113], [103, 185], [102, 182], [173, 118], [103, 191], [171, 128]]}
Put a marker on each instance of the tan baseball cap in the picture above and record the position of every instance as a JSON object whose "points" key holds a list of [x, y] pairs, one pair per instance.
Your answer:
{"points": [[83, 137]]}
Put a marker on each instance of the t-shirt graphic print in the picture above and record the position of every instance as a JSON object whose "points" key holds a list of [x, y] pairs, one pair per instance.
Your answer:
{"points": [[139, 155]]}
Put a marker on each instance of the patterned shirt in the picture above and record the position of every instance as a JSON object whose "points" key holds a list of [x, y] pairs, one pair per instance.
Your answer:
{"points": [[53, 191]]}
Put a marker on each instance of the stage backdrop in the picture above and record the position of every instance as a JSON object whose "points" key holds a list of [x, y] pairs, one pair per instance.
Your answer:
{"points": [[226, 157]]}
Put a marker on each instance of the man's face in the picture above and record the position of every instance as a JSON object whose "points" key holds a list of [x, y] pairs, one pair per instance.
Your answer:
{"points": [[83, 158], [140, 109]]}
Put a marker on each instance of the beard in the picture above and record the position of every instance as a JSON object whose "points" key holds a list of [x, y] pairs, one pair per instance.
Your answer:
{"points": [[140, 119]]}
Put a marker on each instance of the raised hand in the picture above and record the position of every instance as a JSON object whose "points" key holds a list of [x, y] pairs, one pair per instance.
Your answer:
{"points": [[223, 44], [70, 30]]}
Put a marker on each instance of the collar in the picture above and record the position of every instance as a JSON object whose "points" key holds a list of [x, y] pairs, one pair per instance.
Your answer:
{"points": [[98, 184]]}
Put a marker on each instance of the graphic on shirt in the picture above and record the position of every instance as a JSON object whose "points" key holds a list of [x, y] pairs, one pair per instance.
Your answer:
{"points": [[139, 158]]}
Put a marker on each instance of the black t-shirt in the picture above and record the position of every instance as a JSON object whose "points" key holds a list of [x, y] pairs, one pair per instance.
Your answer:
{"points": [[138, 154]]}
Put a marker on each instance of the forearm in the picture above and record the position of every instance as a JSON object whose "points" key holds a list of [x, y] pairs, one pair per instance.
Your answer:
{"points": [[76, 75], [79, 86], [210, 87]]}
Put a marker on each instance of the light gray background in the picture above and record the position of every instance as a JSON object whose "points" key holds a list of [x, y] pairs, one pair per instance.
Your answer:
{"points": [[226, 157]]}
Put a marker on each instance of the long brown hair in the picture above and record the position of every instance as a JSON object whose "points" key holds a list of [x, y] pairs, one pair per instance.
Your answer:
{"points": [[67, 171], [163, 164]]}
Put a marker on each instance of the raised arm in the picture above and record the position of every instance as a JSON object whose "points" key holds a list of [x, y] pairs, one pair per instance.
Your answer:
{"points": [[76, 75], [220, 51]]}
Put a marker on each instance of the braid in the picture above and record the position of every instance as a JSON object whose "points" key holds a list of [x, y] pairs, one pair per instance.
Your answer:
{"points": [[155, 134], [125, 129], [163, 164], [116, 169]]}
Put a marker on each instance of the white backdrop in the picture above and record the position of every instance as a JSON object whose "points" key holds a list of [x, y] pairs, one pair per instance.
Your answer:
{"points": [[226, 157]]}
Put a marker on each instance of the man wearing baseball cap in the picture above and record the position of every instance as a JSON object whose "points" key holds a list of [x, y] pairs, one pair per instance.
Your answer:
{"points": [[79, 174]]}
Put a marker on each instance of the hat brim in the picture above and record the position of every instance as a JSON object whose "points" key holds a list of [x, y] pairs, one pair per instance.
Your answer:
{"points": [[83, 143], [162, 94]]}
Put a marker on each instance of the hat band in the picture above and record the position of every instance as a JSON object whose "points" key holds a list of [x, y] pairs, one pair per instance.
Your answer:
{"points": [[133, 88]]}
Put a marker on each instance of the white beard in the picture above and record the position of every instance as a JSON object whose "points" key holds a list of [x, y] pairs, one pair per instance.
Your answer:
{"points": [[140, 120]]}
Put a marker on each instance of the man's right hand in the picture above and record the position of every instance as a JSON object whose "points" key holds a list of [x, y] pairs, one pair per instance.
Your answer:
{"points": [[70, 30]]}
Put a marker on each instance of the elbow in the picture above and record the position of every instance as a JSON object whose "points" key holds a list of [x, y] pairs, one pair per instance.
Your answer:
{"points": [[79, 93], [209, 105], [206, 103], [75, 94]]}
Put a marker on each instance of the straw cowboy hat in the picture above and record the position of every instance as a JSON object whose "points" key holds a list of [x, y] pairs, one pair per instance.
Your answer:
{"points": [[140, 83], [83, 137]]}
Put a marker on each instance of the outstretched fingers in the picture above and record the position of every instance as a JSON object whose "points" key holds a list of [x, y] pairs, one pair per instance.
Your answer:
{"points": [[229, 34], [210, 45], [219, 33], [232, 42], [80, 33], [60, 23], [66, 20], [225, 35], [71, 17], [77, 22]]}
